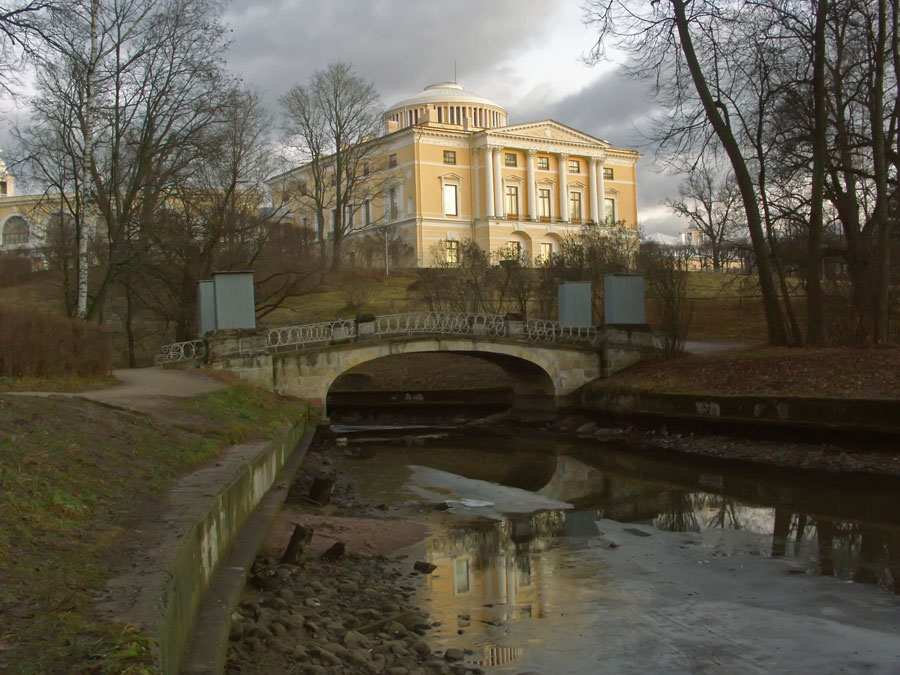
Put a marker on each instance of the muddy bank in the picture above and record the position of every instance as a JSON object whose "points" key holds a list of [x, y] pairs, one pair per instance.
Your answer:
{"points": [[838, 456], [348, 605]]}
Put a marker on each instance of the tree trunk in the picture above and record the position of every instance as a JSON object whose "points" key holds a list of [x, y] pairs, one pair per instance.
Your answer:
{"points": [[815, 319], [774, 317], [88, 162]]}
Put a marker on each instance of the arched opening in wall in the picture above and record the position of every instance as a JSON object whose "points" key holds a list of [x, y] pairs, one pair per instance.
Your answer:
{"points": [[15, 231], [433, 387]]}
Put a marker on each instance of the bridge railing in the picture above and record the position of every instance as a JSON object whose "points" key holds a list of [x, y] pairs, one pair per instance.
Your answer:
{"points": [[309, 334], [440, 323], [393, 325], [182, 351]]}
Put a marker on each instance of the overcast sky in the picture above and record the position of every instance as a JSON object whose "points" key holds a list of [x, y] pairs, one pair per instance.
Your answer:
{"points": [[525, 54]]}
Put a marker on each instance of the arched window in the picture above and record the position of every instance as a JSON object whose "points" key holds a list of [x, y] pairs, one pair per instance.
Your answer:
{"points": [[15, 231]]}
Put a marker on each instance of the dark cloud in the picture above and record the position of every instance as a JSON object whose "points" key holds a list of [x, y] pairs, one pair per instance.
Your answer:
{"points": [[399, 45], [619, 110]]}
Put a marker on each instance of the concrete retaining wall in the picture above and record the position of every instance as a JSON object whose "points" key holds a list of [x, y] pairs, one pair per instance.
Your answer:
{"points": [[878, 415], [209, 532]]}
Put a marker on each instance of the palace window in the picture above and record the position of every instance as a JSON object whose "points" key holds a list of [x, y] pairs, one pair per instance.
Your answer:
{"points": [[366, 170], [510, 159], [301, 186], [348, 216], [514, 250], [512, 201], [609, 208], [449, 156], [366, 213], [544, 203], [543, 163], [451, 251], [607, 174], [574, 166], [392, 161], [575, 207], [546, 252], [394, 203], [462, 579], [451, 199]]}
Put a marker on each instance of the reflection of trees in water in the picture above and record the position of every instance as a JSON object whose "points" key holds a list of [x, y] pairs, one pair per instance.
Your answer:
{"points": [[485, 540], [678, 513], [725, 514]]}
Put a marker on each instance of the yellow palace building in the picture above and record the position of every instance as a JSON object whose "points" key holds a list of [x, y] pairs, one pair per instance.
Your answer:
{"points": [[449, 167]]}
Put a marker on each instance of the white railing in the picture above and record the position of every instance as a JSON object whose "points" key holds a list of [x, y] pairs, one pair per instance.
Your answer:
{"points": [[440, 323], [429, 323], [394, 325], [539, 330], [311, 334], [182, 351]]}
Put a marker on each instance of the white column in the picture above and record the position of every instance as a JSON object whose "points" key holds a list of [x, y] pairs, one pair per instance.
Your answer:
{"points": [[476, 189], [529, 159], [563, 160], [595, 212], [601, 193], [499, 206], [489, 181]]}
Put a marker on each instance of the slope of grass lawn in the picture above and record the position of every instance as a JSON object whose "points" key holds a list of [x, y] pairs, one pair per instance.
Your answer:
{"points": [[75, 478]]}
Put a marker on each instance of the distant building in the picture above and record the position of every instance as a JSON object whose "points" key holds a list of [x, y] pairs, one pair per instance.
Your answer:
{"points": [[449, 167]]}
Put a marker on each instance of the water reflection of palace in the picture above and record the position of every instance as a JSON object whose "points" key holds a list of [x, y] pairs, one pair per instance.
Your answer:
{"points": [[489, 573]]}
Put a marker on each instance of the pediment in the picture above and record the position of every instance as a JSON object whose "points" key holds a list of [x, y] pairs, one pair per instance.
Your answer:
{"points": [[549, 130]]}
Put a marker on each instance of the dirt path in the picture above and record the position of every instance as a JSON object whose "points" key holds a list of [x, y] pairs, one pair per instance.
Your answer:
{"points": [[145, 389]]}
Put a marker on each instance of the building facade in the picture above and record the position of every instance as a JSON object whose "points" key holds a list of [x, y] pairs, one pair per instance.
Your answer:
{"points": [[449, 168]]}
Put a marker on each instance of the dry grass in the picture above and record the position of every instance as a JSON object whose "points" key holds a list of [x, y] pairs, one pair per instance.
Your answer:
{"points": [[771, 371], [76, 477], [45, 345]]}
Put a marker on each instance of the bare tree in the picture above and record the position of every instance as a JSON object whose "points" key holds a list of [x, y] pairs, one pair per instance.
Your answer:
{"points": [[128, 110], [710, 206], [220, 217], [680, 46], [332, 121], [21, 32]]}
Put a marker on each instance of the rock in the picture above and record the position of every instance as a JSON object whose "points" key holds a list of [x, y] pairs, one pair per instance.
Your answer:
{"points": [[324, 655], [354, 640], [437, 667], [278, 629], [335, 552], [424, 567], [420, 647], [454, 655], [237, 631], [586, 429], [360, 657], [337, 650], [348, 587], [398, 670], [390, 608], [299, 653]]}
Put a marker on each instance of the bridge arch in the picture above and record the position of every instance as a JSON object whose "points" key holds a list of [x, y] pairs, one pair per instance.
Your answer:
{"points": [[539, 374]]}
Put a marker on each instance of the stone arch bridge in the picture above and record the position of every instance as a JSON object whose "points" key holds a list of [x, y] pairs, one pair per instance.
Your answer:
{"points": [[545, 361]]}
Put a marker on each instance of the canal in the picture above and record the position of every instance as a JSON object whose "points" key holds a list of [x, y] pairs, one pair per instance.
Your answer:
{"points": [[555, 555]]}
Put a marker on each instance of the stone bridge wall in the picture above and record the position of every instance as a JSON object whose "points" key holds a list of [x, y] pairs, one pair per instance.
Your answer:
{"points": [[541, 374]]}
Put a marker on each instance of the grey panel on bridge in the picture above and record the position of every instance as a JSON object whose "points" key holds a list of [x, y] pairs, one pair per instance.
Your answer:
{"points": [[574, 304], [623, 299], [235, 301], [206, 307]]}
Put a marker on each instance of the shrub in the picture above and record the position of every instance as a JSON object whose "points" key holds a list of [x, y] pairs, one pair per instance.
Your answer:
{"points": [[42, 345], [14, 270]]}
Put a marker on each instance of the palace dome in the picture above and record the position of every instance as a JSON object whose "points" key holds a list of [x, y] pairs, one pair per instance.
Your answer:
{"points": [[452, 105]]}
